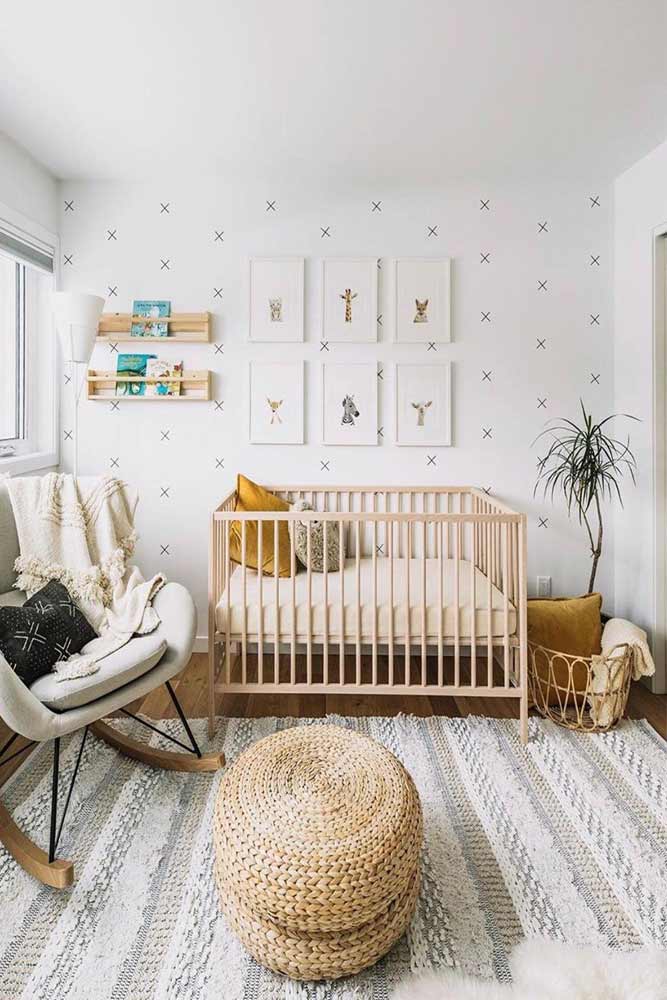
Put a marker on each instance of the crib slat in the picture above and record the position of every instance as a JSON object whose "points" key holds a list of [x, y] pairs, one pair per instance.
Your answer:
{"points": [[276, 585], [341, 647], [375, 601], [391, 603], [228, 617], [473, 609], [260, 604], [457, 603], [244, 644], [439, 539], [325, 647], [423, 598], [406, 564], [506, 624], [357, 546], [309, 610], [489, 606], [293, 644]]}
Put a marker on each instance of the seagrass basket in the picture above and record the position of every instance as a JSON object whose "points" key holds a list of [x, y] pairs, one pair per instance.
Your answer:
{"points": [[575, 691], [318, 834]]}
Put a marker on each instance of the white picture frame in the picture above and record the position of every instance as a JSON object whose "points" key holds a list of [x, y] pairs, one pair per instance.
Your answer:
{"points": [[349, 399], [423, 405], [275, 402], [349, 290], [275, 299], [422, 300]]}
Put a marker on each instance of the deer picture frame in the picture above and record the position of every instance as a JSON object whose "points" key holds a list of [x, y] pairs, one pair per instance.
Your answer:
{"points": [[423, 399], [275, 299], [421, 295], [276, 394], [349, 404], [349, 299]]}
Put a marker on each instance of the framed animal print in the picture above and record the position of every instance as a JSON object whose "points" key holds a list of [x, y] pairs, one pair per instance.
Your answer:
{"points": [[275, 288], [349, 404], [423, 405], [276, 402], [422, 300], [349, 300]]}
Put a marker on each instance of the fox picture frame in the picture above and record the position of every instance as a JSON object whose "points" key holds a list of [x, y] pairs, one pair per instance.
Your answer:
{"points": [[422, 300]]}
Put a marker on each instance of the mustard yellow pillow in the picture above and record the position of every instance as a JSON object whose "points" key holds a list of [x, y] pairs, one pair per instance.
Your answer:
{"points": [[249, 497], [570, 625]]}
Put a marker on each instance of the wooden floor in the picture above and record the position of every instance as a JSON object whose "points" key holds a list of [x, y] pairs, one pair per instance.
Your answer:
{"points": [[190, 687]]}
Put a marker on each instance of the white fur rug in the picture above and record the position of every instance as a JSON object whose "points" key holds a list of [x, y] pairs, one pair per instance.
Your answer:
{"points": [[551, 970], [565, 839]]}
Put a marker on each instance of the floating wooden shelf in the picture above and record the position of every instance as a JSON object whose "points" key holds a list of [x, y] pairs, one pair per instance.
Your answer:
{"points": [[195, 385], [182, 328]]}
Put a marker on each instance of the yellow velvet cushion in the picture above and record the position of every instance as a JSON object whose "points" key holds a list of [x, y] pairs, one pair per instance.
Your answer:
{"points": [[251, 497], [570, 625]]}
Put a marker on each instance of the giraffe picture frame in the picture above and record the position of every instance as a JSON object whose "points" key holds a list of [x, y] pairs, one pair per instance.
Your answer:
{"points": [[350, 404], [276, 394], [421, 293], [275, 299], [423, 401], [349, 288]]}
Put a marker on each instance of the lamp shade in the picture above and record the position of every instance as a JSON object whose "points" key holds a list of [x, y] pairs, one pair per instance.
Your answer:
{"points": [[77, 316]]}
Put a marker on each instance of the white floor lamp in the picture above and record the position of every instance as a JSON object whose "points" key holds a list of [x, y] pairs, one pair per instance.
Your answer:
{"points": [[77, 316]]}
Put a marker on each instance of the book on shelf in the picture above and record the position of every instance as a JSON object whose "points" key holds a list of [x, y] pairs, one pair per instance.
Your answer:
{"points": [[135, 365], [153, 310], [164, 371]]}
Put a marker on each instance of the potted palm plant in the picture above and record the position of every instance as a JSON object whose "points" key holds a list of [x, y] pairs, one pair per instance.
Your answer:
{"points": [[586, 465]]}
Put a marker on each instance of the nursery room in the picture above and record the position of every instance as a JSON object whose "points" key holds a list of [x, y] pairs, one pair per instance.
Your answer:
{"points": [[347, 680]]}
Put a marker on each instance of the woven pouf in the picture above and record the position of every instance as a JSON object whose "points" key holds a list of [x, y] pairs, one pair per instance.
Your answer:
{"points": [[318, 834]]}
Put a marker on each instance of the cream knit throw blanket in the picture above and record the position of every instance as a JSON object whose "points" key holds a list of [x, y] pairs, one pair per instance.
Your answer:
{"points": [[81, 532]]}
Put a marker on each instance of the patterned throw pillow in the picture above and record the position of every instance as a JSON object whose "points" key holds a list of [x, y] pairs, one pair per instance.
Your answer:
{"points": [[317, 554], [49, 627]]}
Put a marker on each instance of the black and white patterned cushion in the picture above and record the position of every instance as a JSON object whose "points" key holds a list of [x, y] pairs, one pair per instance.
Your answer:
{"points": [[49, 627]]}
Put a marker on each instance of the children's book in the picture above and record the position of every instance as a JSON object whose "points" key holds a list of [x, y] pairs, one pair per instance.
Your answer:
{"points": [[152, 309], [164, 371], [132, 364]]}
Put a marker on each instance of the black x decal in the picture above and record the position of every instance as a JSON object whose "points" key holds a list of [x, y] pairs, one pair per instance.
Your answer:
{"points": [[114, 405], [380, 320], [381, 374], [68, 258], [487, 432], [595, 261], [324, 466], [219, 463], [164, 207], [68, 436], [376, 206], [219, 235], [486, 317], [270, 206], [69, 206], [595, 201], [68, 379], [111, 234], [219, 404], [164, 492], [164, 550], [541, 345], [541, 403], [381, 432], [543, 227], [544, 522], [165, 435], [431, 346], [379, 549], [113, 348], [595, 319], [430, 460], [379, 263], [484, 204], [326, 231], [219, 348], [595, 379], [541, 286], [114, 463], [486, 376], [164, 264], [217, 293], [487, 490], [484, 258], [324, 345], [112, 290], [432, 230]]}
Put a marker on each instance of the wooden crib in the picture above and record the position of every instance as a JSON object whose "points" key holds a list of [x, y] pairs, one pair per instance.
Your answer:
{"points": [[432, 599]]}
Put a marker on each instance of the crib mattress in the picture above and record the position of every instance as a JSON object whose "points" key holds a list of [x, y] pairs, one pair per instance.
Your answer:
{"points": [[495, 620]]}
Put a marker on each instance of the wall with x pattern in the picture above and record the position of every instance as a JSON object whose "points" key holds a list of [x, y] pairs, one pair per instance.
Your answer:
{"points": [[531, 328]]}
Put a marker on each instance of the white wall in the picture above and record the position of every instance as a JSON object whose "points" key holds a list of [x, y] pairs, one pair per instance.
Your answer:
{"points": [[26, 186], [521, 256], [640, 206]]}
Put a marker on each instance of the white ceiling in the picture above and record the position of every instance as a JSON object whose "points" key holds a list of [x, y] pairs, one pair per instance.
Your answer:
{"points": [[388, 91]]}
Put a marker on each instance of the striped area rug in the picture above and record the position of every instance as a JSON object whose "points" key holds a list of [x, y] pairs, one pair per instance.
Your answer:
{"points": [[565, 838]]}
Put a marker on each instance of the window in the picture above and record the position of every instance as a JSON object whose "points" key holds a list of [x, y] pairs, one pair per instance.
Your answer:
{"points": [[27, 351]]}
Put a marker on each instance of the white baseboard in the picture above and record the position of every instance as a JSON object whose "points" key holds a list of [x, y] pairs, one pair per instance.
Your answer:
{"points": [[201, 644]]}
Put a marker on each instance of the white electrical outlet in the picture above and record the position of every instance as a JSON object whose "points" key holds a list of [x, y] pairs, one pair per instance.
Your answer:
{"points": [[544, 586]]}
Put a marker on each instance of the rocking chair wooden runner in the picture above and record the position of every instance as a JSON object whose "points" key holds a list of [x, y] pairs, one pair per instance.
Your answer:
{"points": [[50, 710]]}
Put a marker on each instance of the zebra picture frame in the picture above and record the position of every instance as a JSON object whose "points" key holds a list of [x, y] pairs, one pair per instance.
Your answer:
{"points": [[349, 404], [423, 400], [349, 299], [276, 402], [422, 300]]}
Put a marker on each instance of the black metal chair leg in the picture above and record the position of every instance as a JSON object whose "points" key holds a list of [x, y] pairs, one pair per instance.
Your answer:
{"points": [[54, 799], [184, 721]]}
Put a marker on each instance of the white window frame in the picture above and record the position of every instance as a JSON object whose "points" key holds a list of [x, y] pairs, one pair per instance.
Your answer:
{"points": [[40, 449]]}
